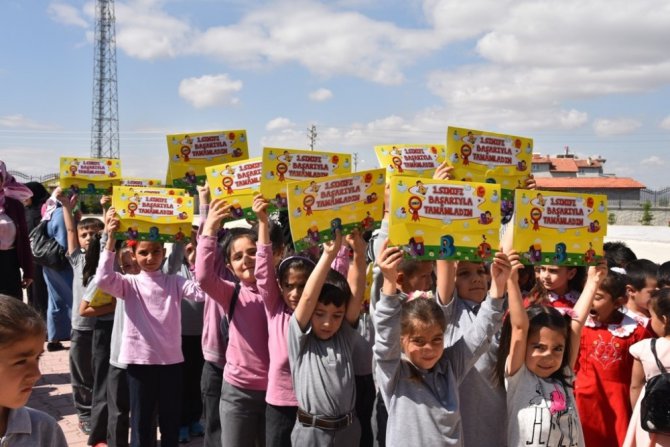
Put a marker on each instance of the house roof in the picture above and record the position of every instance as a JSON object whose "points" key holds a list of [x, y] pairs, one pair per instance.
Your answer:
{"points": [[585, 163], [569, 164], [564, 165], [588, 183]]}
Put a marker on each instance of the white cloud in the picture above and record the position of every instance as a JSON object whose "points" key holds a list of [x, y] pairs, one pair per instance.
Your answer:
{"points": [[21, 122], [606, 127], [654, 160], [665, 124], [66, 14], [322, 94], [210, 90], [279, 123]]}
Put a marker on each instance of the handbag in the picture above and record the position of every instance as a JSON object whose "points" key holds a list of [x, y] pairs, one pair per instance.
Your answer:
{"points": [[47, 252]]}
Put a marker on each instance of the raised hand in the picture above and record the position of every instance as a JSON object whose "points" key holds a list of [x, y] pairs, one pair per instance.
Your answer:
{"points": [[444, 172]]}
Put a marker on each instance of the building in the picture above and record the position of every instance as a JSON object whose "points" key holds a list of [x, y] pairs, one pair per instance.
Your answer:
{"points": [[567, 172]]}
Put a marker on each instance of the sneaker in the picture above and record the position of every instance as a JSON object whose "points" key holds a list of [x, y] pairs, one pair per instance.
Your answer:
{"points": [[184, 435], [196, 429], [54, 346], [85, 427]]}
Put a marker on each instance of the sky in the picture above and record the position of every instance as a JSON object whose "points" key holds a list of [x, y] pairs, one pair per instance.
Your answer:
{"points": [[591, 75]]}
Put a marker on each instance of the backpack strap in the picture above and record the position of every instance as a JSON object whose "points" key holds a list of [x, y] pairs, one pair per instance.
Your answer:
{"points": [[658, 362], [233, 301]]}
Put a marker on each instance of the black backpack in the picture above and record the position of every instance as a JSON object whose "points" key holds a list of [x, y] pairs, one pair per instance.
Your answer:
{"points": [[655, 405]]}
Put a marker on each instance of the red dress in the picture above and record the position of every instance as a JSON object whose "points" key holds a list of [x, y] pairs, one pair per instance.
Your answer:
{"points": [[602, 385]]}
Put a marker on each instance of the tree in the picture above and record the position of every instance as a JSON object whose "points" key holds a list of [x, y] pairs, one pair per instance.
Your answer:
{"points": [[647, 217]]}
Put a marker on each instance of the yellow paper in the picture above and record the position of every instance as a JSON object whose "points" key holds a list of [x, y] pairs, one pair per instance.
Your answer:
{"points": [[414, 160], [318, 207], [489, 157], [237, 183], [281, 166], [190, 153], [89, 176], [142, 182], [152, 215], [559, 228], [100, 298], [441, 219]]}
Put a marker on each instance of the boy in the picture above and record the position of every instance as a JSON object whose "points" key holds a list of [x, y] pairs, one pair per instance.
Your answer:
{"points": [[79, 237], [641, 281], [320, 348]]}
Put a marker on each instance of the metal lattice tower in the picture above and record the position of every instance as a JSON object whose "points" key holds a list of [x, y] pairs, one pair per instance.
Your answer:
{"points": [[105, 127]]}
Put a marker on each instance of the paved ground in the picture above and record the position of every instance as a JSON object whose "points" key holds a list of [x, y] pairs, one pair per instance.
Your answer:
{"points": [[53, 395]]}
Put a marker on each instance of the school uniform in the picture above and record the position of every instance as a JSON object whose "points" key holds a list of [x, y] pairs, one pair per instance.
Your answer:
{"points": [[423, 406], [27, 427]]}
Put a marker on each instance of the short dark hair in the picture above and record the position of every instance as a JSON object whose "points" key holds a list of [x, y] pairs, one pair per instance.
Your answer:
{"points": [[639, 271], [663, 276], [614, 284], [335, 290], [18, 321], [91, 223], [660, 303], [618, 254], [421, 311], [409, 266]]}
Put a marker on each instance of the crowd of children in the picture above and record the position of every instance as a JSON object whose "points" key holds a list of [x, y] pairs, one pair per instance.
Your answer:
{"points": [[270, 347]]}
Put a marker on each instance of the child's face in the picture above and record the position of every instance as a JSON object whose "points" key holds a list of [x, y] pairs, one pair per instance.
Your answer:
{"points": [[149, 255], [128, 264], [421, 279], [545, 351], [471, 281], [639, 299], [292, 285], [327, 319], [659, 324], [85, 235], [604, 307], [19, 370], [556, 278], [424, 346], [243, 259]]}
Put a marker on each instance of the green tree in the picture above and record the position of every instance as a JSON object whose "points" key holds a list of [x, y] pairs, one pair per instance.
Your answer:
{"points": [[611, 219], [647, 216]]}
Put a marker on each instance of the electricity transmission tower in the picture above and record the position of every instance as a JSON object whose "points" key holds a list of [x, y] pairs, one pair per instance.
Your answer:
{"points": [[312, 137], [105, 127]]}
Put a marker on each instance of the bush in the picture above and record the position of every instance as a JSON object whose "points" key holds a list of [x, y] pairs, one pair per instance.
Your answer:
{"points": [[647, 216], [611, 219]]}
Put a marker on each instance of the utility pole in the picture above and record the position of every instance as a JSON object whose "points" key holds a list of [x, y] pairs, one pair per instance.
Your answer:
{"points": [[312, 137], [105, 126]]}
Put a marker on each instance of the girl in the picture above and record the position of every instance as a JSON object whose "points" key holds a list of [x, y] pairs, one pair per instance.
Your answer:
{"points": [[245, 375], [420, 389], [151, 345], [22, 334], [604, 366], [538, 349], [557, 286], [645, 367]]}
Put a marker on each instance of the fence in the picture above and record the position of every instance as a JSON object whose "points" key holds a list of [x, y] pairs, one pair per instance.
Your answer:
{"points": [[24, 178]]}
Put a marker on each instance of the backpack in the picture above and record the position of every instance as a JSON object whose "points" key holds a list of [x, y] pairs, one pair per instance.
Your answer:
{"points": [[655, 405], [46, 250], [225, 321]]}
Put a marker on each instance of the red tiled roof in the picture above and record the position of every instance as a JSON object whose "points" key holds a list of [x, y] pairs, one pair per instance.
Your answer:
{"points": [[564, 165], [584, 163], [539, 159], [588, 183]]}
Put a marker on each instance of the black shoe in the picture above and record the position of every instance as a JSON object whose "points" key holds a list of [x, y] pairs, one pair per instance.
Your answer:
{"points": [[85, 427], [53, 346]]}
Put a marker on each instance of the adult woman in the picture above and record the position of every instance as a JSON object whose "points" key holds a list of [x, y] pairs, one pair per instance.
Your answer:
{"points": [[15, 254], [37, 292]]}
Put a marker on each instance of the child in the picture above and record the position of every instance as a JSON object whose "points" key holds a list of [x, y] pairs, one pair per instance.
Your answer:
{"points": [[602, 385], [618, 254], [320, 346], [663, 277], [461, 299], [557, 286], [80, 236], [641, 275], [151, 339], [645, 367], [22, 335], [420, 389], [538, 349], [245, 374]]}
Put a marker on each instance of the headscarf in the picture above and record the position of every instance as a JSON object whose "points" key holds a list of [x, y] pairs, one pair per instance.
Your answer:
{"points": [[9, 187]]}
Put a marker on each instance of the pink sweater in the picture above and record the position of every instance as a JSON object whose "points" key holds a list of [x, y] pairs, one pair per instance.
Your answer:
{"points": [[280, 384], [152, 320], [247, 357]]}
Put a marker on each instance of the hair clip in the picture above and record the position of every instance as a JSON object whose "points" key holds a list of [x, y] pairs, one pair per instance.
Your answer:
{"points": [[131, 243], [428, 295], [618, 270]]}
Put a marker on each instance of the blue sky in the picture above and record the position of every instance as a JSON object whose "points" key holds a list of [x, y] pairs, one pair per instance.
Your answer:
{"points": [[593, 75]]}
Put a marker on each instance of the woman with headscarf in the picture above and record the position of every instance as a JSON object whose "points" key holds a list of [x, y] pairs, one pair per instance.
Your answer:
{"points": [[15, 254], [38, 296]]}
